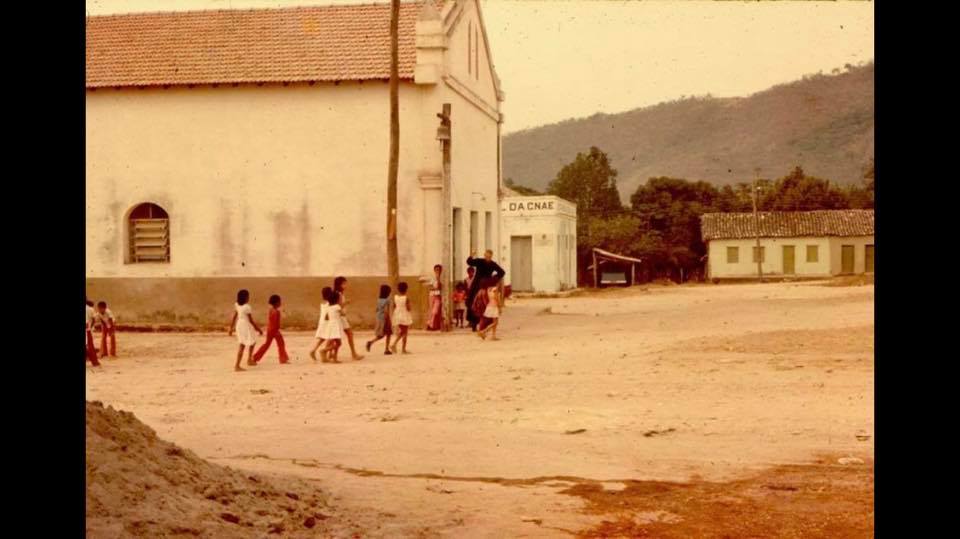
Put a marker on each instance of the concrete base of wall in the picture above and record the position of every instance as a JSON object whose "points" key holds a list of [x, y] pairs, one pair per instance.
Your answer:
{"points": [[208, 301]]}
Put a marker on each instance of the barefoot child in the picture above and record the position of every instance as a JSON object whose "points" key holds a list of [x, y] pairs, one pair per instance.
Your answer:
{"points": [[244, 325], [459, 304], [491, 313], [340, 287], [273, 332], [435, 320], [107, 329], [333, 330], [384, 326], [91, 351], [401, 317], [322, 323]]}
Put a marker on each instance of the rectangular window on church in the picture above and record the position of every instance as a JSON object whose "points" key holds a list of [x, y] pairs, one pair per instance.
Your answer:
{"points": [[474, 230], [488, 230]]}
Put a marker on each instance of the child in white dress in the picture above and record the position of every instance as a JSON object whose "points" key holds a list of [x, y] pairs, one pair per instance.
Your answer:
{"points": [[491, 314], [340, 287], [401, 317], [244, 325], [333, 330], [322, 324]]}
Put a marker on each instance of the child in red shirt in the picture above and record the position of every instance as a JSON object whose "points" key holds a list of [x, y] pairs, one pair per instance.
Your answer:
{"points": [[459, 304], [273, 332]]}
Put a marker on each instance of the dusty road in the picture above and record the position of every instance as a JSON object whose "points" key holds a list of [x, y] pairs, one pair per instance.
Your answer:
{"points": [[677, 411]]}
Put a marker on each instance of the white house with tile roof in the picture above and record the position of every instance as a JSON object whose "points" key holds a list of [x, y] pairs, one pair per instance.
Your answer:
{"points": [[792, 244], [230, 149]]}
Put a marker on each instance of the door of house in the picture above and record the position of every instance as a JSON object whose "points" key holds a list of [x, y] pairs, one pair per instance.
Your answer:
{"points": [[868, 258], [846, 259], [789, 268], [521, 263], [459, 261]]}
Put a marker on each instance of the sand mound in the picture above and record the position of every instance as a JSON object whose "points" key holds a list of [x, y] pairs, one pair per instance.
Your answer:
{"points": [[140, 485]]}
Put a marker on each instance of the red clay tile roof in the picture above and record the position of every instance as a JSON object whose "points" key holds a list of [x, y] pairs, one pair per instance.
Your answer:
{"points": [[320, 43], [788, 224]]}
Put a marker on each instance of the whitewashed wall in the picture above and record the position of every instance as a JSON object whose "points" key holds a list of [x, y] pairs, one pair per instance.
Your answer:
{"points": [[828, 259], [258, 181], [554, 236]]}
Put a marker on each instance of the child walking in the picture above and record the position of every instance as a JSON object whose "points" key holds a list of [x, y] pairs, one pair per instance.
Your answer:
{"points": [[340, 287], [273, 332], [491, 313], [384, 327], [107, 330], [322, 323], [401, 317], [91, 351], [333, 330], [244, 325], [459, 304]]}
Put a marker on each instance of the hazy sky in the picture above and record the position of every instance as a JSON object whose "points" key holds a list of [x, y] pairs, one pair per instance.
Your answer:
{"points": [[562, 59]]}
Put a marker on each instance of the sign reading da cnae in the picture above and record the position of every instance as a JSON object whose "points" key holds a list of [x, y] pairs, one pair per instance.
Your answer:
{"points": [[531, 205], [537, 205]]}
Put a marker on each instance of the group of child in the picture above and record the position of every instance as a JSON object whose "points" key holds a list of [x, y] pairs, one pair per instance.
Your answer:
{"points": [[392, 323], [486, 305], [332, 326], [100, 316]]}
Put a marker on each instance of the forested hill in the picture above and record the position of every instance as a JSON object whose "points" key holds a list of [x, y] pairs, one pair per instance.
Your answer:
{"points": [[824, 123]]}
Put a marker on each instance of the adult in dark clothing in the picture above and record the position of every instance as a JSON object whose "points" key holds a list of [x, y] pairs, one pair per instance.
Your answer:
{"points": [[485, 268]]}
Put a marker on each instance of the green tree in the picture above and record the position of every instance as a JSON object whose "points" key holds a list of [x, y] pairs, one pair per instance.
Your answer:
{"points": [[617, 233], [861, 195], [798, 192], [738, 198], [669, 210], [591, 183], [522, 189]]}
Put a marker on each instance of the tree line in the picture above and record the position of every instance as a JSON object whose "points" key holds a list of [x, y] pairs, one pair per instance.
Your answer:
{"points": [[661, 225]]}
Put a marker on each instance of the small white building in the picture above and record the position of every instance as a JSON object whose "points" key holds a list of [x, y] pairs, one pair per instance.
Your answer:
{"points": [[802, 244], [539, 249]]}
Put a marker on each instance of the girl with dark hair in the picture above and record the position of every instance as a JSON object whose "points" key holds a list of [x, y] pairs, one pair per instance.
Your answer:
{"points": [[491, 313], [340, 286], [383, 328], [435, 322], [401, 317], [322, 323], [244, 325], [333, 330], [273, 332]]}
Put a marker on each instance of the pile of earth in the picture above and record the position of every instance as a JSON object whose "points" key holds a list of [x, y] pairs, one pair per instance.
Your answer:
{"points": [[140, 485]]}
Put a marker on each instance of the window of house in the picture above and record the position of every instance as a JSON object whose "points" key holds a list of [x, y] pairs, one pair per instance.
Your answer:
{"points": [[813, 253], [149, 234], [488, 230], [761, 257], [474, 231], [733, 255]]}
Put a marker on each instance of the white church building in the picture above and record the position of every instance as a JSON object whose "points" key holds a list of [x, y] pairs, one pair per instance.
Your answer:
{"points": [[230, 149]]}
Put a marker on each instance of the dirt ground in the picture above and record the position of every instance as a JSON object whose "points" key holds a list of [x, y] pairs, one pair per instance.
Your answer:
{"points": [[708, 411]]}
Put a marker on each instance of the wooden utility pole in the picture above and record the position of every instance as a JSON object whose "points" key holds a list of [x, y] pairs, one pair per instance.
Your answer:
{"points": [[756, 222], [444, 133], [393, 261]]}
